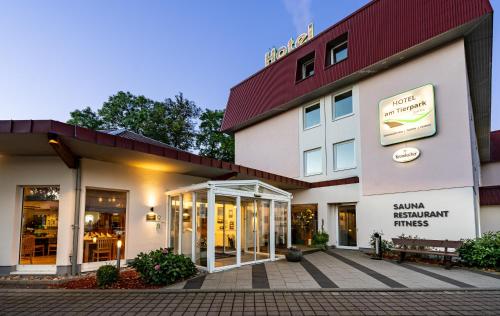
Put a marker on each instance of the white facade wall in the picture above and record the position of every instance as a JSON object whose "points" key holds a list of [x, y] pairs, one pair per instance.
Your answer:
{"points": [[490, 218], [329, 132], [442, 178], [375, 213], [490, 174], [328, 198], [16, 172], [279, 137], [145, 188]]}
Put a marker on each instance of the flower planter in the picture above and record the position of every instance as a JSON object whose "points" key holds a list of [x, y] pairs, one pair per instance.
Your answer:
{"points": [[294, 255]]}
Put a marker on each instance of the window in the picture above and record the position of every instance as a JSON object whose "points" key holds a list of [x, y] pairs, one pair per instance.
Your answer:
{"points": [[175, 205], [201, 228], [337, 50], [104, 224], [280, 225], [305, 67], [312, 162], [187, 224], [312, 116], [343, 155], [39, 225], [342, 105]]}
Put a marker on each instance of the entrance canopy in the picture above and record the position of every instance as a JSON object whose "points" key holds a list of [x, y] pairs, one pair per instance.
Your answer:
{"points": [[225, 224]]}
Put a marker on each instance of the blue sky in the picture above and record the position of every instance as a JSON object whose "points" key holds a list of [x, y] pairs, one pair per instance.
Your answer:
{"points": [[60, 55]]}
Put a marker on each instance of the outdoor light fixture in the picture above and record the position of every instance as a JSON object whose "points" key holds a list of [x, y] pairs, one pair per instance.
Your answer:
{"points": [[118, 249], [151, 216], [94, 240], [53, 139]]}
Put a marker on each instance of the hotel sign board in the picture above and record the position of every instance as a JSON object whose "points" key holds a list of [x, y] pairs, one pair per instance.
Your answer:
{"points": [[407, 116], [275, 54]]}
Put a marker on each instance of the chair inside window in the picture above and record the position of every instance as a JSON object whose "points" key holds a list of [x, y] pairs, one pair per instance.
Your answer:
{"points": [[39, 249], [103, 250], [28, 248], [52, 247]]}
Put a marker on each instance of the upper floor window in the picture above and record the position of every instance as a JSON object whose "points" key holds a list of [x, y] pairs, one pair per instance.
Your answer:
{"points": [[312, 116], [342, 105], [305, 67], [337, 50], [313, 164], [343, 155]]}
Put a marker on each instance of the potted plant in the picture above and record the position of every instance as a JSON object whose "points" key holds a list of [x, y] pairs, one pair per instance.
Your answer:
{"points": [[293, 254], [320, 239]]}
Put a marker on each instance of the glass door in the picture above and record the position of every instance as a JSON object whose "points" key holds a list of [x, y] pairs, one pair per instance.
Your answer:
{"points": [[247, 230], [255, 217], [347, 226], [225, 231]]}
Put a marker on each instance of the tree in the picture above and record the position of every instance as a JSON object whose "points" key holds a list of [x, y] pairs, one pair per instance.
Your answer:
{"points": [[85, 118], [210, 140], [180, 123], [172, 122]]}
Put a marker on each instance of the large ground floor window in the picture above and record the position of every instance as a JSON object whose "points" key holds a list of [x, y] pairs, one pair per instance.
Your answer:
{"points": [[304, 223], [40, 211], [104, 222]]}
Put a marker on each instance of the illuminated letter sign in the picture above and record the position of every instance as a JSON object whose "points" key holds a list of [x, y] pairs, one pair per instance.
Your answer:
{"points": [[275, 54], [407, 116]]}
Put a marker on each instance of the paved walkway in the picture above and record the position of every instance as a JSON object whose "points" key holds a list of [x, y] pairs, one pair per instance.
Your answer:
{"points": [[71, 302], [342, 269]]}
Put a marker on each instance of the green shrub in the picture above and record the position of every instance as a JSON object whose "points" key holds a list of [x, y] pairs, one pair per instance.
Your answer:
{"points": [[107, 275], [385, 246], [482, 252], [320, 239], [162, 266]]}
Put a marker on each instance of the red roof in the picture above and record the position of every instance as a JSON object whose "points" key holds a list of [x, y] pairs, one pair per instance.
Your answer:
{"points": [[376, 32], [495, 146], [146, 146]]}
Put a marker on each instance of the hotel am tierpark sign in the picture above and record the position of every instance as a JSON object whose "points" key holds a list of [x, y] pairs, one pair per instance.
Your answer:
{"points": [[407, 116], [274, 54]]}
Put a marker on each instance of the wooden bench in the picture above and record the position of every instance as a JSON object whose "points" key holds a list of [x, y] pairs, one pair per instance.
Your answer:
{"points": [[405, 245]]}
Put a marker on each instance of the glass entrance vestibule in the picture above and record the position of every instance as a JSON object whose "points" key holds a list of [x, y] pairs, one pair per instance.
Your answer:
{"points": [[225, 224]]}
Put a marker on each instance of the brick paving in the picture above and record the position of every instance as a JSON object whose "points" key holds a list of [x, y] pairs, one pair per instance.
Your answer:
{"points": [[343, 269], [330, 302]]}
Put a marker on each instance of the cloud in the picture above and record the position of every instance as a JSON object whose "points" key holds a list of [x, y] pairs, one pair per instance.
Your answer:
{"points": [[300, 10]]}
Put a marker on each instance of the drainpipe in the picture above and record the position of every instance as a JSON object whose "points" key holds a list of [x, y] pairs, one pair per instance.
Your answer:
{"points": [[76, 223]]}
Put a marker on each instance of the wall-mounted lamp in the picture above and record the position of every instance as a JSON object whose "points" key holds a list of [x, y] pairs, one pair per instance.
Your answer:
{"points": [[53, 139], [151, 216]]}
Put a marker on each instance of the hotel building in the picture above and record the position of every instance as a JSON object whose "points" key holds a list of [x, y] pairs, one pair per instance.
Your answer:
{"points": [[380, 123]]}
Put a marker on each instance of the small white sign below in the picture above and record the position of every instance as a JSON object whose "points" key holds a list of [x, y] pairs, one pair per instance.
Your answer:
{"points": [[406, 154]]}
